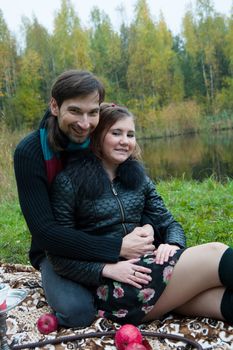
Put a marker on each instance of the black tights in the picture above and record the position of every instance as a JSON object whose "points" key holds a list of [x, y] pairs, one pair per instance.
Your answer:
{"points": [[226, 277]]}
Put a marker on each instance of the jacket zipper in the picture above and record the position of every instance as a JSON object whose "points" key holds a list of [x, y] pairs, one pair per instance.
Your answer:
{"points": [[120, 206]]}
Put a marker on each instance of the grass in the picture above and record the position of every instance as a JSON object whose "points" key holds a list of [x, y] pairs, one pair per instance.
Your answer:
{"points": [[14, 235], [15, 238], [205, 209]]}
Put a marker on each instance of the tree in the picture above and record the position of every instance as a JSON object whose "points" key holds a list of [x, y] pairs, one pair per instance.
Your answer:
{"points": [[28, 102], [153, 67], [37, 39], [70, 41], [229, 43], [204, 33], [141, 43], [105, 51], [8, 63], [225, 96]]}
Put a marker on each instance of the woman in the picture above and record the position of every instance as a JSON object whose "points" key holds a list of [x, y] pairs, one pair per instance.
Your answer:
{"points": [[107, 191]]}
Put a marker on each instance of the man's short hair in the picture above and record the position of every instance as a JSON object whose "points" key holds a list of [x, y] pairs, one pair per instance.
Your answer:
{"points": [[74, 83]]}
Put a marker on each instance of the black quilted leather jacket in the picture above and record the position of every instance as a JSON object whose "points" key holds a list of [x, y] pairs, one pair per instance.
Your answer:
{"points": [[82, 196]]}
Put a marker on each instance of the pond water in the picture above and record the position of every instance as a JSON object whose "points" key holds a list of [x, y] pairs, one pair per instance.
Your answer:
{"points": [[190, 157]]}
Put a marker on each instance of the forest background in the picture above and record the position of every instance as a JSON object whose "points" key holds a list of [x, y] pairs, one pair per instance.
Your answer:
{"points": [[174, 84]]}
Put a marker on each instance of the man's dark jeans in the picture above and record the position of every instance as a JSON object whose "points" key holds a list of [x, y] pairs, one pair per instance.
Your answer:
{"points": [[72, 303]]}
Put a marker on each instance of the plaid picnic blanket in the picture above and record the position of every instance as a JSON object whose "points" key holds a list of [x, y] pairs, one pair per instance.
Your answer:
{"points": [[22, 329]]}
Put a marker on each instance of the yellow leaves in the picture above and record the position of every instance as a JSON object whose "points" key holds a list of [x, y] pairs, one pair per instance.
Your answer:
{"points": [[27, 100], [30, 66], [152, 64], [70, 41], [181, 116], [189, 33]]}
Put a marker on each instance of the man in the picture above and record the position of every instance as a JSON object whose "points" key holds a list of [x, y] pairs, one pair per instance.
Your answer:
{"points": [[65, 128]]}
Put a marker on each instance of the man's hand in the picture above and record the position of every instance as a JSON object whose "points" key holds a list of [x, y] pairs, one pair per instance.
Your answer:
{"points": [[128, 272], [148, 228], [163, 253], [137, 243]]}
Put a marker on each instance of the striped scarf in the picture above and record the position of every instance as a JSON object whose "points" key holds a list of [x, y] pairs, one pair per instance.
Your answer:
{"points": [[53, 160]]}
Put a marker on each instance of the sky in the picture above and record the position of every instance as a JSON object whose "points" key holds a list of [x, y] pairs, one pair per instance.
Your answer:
{"points": [[44, 10]]}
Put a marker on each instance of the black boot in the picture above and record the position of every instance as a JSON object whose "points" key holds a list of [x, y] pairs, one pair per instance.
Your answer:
{"points": [[225, 269]]}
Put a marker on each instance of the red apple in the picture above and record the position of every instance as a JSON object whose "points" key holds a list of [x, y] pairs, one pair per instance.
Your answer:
{"points": [[47, 323], [146, 344], [127, 334], [3, 306], [135, 346]]}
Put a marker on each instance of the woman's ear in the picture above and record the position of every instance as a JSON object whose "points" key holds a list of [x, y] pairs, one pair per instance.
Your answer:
{"points": [[54, 107]]}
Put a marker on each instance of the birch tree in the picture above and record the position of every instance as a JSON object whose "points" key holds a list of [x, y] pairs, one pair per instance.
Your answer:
{"points": [[70, 41]]}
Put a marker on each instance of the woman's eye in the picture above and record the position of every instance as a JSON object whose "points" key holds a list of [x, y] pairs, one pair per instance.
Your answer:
{"points": [[116, 133]]}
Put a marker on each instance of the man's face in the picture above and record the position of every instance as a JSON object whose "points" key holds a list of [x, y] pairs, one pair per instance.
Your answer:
{"points": [[77, 117]]}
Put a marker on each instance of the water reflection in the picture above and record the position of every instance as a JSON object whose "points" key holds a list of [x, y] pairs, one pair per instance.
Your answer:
{"points": [[191, 156]]}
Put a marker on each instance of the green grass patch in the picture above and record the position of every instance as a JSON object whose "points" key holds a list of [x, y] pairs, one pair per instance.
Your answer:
{"points": [[15, 238], [205, 210]]}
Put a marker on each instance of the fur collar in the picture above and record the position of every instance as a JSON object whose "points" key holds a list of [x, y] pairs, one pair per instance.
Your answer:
{"points": [[89, 177]]}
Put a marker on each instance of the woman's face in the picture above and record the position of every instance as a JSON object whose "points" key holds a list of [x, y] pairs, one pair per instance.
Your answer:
{"points": [[119, 142]]}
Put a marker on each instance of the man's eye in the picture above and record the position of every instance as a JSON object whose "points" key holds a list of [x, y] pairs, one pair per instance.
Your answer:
{"points": [[73, 111], [94, 114]]}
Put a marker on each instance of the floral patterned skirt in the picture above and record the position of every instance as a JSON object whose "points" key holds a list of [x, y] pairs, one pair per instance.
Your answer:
{"points": [[123, 303]]}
